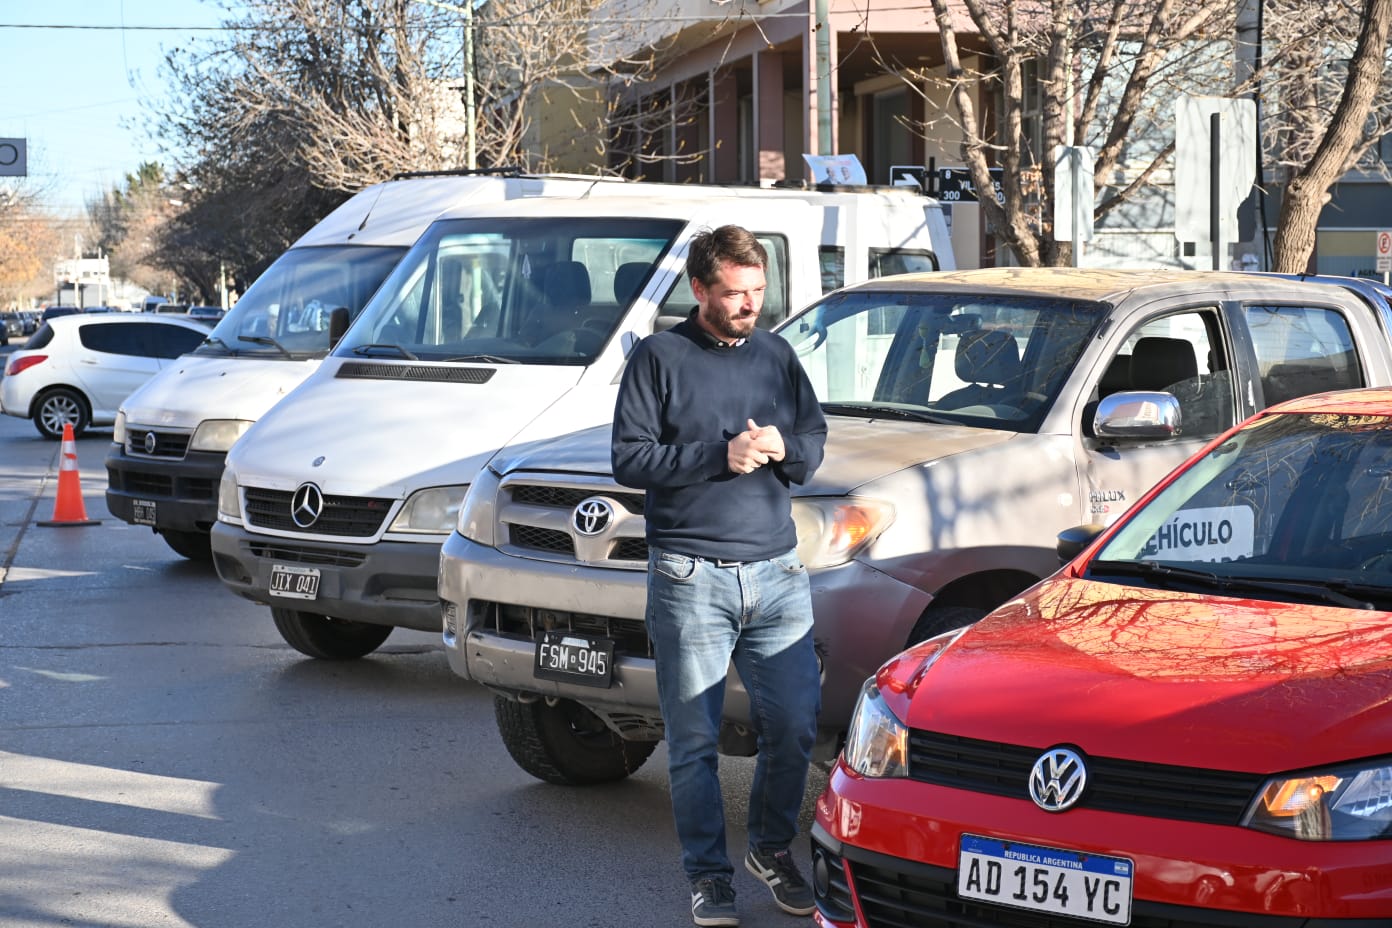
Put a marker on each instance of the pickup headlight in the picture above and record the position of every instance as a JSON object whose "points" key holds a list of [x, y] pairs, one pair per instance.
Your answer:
{"points": [[1345, 803], [218, 434], [832, 530], [430, 512], [878, 743], [229, 503], [118, 431], [478, 515]]}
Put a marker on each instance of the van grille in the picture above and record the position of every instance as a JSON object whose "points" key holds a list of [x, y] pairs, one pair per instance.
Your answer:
{"points": [[343, 516], [173, 445]]}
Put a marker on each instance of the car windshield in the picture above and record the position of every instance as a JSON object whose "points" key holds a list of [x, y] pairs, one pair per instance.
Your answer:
{"points": [[1289, 501], [285, 312], [497, 290], [996, 362]]}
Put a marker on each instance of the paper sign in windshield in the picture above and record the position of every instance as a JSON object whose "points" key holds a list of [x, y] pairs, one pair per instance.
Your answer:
{"points": [[1216, 534]]}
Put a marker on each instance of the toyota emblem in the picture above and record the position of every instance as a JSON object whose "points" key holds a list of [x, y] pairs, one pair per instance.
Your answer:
{"points": [[592, 516], [150, 442], [1057, 780], [307, 505]]}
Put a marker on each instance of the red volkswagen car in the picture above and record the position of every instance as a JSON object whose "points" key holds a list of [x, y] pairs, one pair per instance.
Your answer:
{"points": [[1189, 725]]}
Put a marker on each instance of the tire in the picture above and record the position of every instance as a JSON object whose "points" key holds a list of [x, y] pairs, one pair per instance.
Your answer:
{"points": [[196, 546], [328, 639], [58, 406], [566, 744], [938, 619]]}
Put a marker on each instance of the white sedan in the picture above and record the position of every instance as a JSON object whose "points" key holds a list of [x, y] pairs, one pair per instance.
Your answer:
{"points": [[77, 369]]}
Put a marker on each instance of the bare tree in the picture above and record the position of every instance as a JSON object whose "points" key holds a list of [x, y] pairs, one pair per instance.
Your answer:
{"points": [[30, 242], [1327, 108]]}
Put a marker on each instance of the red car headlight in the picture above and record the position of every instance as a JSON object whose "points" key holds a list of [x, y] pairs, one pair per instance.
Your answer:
{"points": [[1346, 803]]}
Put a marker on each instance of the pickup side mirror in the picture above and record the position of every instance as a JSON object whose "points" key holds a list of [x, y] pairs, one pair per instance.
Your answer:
{"points": [[338, 324], [1072, 541], [1137, 415]]}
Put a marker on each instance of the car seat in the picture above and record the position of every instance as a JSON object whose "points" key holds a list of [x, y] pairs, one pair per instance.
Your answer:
{"points": [[989, 361]]}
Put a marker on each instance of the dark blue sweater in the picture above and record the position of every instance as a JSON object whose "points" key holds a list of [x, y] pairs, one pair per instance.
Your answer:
{"points": [[681, 401]]}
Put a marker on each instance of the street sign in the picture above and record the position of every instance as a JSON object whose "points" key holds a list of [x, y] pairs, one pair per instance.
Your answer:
{"points": [[955, 185], [1384, 251], [1074, 196], [909, 175], [13, 158], [1194, 156]]}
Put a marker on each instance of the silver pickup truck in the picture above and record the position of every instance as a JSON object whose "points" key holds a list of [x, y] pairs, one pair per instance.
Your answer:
{"points": [[972, 417]]}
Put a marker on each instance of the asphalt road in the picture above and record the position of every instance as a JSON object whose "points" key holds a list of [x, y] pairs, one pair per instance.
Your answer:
{"points": [[166, 760]]}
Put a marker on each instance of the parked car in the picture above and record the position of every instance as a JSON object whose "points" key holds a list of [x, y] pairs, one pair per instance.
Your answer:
{"points": [[77, 369], [53, 312], [31, 321], [11, 326], [206, 314], [965, 429], [1186, 726]]}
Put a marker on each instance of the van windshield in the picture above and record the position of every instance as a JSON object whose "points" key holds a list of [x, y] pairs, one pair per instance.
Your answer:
{"points": [[499, 290], [285, 312], [988, 361]]}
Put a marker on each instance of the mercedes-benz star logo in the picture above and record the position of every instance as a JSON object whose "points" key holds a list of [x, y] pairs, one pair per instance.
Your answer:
{"points": [[592, 516], [150, 442], [306, 505], [1057, 780]]}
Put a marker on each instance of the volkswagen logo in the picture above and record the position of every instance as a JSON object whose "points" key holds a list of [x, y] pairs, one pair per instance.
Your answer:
{"points": [[150, 442], [592, 516], [1057, 780], [307, 505]]}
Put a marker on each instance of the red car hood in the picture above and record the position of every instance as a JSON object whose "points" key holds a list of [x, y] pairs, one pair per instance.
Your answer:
{"points": [[1163, 677]]}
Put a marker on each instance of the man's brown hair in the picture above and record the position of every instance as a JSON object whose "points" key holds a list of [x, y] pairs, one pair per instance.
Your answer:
{"points": [[730, 244]]}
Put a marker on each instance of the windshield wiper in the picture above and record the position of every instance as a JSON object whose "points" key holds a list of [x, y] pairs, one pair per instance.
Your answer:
{"points": [[213, 339], [1167, 575], [873, 411], [384, 346], [484, 359], [265, 340]]}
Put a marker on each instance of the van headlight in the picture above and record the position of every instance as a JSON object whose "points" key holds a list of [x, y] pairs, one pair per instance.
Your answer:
{"points": [[1352, 802], [877, 744], [832, 530], [432, 511], [118, 431], [478, 515], [229, 502], [218, 434]]}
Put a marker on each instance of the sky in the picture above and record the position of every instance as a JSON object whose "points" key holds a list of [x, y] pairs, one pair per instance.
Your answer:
{"points": [[74, 94]]}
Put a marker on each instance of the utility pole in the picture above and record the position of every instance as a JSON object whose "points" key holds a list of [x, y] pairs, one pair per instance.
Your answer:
{"points": [[823, 46]]}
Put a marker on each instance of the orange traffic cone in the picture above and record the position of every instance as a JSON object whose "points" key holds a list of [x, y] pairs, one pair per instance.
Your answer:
{"points": [[68, 508]]}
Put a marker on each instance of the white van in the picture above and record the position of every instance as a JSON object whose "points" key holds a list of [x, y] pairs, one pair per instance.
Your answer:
{"points": [[506, 323], [171, 435]]}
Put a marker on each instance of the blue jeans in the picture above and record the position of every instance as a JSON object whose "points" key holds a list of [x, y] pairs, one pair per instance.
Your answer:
{"points": [[701, 617]]}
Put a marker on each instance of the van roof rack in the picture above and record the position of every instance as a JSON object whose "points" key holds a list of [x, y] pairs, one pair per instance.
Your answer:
{"points": [[506, 171], [790, 184]]}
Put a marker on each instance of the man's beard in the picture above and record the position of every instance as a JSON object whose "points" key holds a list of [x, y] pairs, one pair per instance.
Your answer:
{"points": [[730, 327]]}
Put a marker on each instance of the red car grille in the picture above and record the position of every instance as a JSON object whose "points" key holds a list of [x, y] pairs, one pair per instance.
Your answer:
{"points": [[1191, 794]]}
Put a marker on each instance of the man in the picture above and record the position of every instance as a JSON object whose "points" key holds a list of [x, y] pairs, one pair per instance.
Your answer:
{"points": [[715, 418]]}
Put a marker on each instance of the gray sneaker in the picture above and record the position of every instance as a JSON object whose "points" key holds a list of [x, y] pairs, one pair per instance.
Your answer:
{"points": [[780, 872], [713, 903]]}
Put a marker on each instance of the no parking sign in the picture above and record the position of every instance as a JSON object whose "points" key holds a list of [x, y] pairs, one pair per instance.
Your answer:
{"points": [[1384, 251], [13, 158]]}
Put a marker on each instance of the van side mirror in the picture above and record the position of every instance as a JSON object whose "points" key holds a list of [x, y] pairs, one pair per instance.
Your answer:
{"points": [[338, 324], [1072, 541]]}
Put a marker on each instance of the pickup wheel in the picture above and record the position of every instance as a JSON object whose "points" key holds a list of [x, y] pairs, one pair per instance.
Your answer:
{"points": [[196, 546], [326, 638], [938, 619], [566, 743]]}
